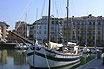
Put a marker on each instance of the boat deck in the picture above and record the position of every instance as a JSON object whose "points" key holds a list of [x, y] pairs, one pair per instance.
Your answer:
{"points": [[94, 64]]}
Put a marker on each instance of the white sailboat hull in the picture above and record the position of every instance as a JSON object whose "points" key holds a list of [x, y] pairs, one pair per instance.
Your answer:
{"points": [[41, 62], [45, 59]]}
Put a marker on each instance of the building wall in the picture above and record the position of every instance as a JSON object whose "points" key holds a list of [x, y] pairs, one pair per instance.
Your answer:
{"points": [[12, 38], [85, 28], [41, 29], [0, 34], [22, 28], [4, 30]]}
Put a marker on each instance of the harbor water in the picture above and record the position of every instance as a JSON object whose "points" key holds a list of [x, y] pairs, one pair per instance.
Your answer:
{"points": [[17, 59]]}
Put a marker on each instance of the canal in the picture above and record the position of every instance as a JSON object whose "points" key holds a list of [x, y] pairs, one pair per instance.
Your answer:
{"points": [[17, 59]]}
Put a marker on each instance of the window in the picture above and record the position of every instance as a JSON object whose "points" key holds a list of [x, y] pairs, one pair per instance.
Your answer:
{"points": [[82, 23], [81, 28], [44, 32], [89, 27], [93, 23], [93, 32], [73, 23], [89, 37], [98, 37], [89, 23], [78, 23], [78, 27], [78, 32], [44, 27], [93, 37], [39, 32], [40, 27], [99, 32], [98, 27], [93, 28], [99, 23], [82, 34]]}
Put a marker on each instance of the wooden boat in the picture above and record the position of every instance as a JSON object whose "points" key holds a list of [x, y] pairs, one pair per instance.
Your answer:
{"points": [[52, 55]]}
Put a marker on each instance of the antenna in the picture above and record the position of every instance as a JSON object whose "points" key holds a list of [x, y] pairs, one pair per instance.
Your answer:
{"points": [[25, 16], [36, 13]]}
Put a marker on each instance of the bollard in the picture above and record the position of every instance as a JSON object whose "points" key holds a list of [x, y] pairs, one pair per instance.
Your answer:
{"points": [[98, 54], [103, 59], [103, 56]]}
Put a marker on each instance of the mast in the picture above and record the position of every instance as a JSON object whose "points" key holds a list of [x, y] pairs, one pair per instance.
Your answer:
{"points": [[49, 21], [67, 22]]}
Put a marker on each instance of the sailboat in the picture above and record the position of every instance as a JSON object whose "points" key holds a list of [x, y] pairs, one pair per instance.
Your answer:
{"points": [[52, 55]]}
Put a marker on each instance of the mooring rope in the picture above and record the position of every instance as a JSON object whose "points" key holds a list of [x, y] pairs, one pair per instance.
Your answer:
{"points": [[46, 60]]}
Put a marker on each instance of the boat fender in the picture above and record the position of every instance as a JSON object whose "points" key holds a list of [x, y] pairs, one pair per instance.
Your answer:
{"points": [[38, 48], [75, 52]]}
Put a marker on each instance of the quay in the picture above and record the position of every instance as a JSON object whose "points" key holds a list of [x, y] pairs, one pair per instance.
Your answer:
{"points": [[8, 45], [92, 47], [94, 64]]}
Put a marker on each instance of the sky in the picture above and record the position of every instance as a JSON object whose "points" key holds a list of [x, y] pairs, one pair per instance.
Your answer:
{"points": [[12, 11]]}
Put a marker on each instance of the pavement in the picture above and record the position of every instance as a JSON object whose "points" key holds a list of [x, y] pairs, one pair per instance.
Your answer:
{"points": [[94, 64]]}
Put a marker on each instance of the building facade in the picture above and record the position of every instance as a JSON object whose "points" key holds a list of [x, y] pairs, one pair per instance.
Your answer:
{"points": [[0, 34], [22, 28], [12, 38], [87, 30], [3, 31], [41, 29]]}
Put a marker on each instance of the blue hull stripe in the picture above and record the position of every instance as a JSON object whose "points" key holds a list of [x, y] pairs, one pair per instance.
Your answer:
{"points": [[53, 57]]}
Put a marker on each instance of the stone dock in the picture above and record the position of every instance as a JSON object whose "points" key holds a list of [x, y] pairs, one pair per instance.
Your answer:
{"points": [[8, 45], [94, 64]]}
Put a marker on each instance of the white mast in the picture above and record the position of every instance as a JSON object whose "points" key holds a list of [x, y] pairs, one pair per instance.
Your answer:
{"points": [[67, 22]]}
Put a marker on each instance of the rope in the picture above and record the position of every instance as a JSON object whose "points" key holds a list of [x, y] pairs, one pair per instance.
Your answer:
{"points": [[23, 12], [46, 60], [56, 8], [43, 7]]}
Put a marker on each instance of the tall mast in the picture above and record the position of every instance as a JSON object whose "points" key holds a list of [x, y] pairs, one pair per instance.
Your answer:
{"points": [[49, 21], [67, 21]]}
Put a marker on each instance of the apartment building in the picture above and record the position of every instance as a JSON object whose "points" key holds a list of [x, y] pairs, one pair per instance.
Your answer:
{"points": [[87, 29], [41, 29], [22, 28], [3, 31], [0, 34]]}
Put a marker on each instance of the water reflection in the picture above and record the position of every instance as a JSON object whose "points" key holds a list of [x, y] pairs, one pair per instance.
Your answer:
{"points": [[3, 57], [13, 59], [20, 59], [84, 59], [17, 59]]}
